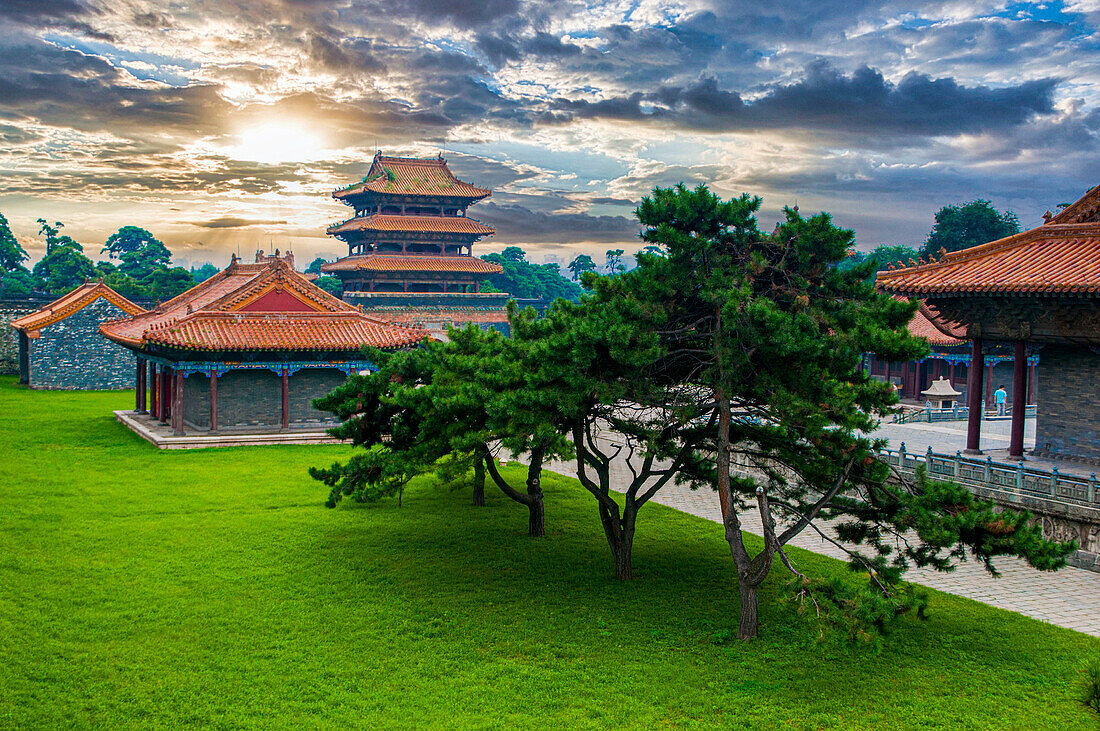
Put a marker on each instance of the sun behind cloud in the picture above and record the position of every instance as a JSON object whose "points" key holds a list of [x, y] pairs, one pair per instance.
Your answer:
{"points": [[275, 142]]}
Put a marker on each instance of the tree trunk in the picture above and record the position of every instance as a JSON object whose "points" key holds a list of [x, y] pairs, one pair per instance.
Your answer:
{"points": [[479, 482], [536, 523], [620, 538], [536, 526], [747, 625]]}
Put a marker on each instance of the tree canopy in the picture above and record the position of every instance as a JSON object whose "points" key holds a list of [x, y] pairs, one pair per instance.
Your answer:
{"points": [[581, 264], [728, 359], [963, 225], [12, 255], [126, 240]]}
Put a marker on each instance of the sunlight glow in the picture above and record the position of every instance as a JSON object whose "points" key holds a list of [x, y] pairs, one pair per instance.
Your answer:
{"points": [[277, 142]]}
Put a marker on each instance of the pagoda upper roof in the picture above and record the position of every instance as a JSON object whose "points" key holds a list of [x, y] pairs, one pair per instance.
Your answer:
{"points": [[412, 176], [263, 306], [1061, 257], [413, 224], [413, 263], [71, 303]]}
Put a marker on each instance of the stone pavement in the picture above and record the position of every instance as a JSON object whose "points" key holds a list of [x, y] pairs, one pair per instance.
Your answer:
{"points": [[1068, 598]]}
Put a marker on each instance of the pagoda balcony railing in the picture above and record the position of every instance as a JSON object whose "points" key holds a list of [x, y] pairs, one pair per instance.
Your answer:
{"points": [[334, 224], [1009, 482], [931, 414]]}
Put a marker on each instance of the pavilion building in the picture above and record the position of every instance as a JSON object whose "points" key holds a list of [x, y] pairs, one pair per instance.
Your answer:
{"points": [[247, 351], [949, 359], [410, 245], [60, 346], [1034, 292]]}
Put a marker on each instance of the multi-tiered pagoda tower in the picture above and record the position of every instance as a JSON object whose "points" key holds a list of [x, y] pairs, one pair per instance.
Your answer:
{"points": [[409, 245]]}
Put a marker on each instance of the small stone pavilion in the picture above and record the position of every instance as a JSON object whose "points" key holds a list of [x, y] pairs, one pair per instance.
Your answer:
{"points": [[246, 351], [410, 246], [60, 346], [1035, 292]]}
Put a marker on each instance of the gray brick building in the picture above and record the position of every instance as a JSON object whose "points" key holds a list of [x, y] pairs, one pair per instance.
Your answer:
{"points": [[1035, 293], [246, 352], [60, 346]]}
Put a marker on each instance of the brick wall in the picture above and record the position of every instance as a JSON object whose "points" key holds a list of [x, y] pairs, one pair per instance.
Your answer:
{"points": [[254, 398], [1068, 422], [72, 355], [9, 336]]}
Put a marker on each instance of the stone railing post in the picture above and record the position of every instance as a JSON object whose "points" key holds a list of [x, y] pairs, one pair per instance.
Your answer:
{"points": [[1092, 487], [901, 456], [1020, 476], [1053, 481], [958, 462], [988, 470]]}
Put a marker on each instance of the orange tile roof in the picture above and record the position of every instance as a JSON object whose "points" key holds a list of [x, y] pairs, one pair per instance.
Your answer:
{"points": [[928, 324], [1085, 210], [69, 304], [413, 263], [412, 176], [319, 331], [1050, 259], [432, 224], [211, 315]]}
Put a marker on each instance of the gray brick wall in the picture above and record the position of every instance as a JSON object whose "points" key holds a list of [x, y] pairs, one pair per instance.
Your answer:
{"points": [[72, 355], [1068, 422], [9, 336], [254, 398]]}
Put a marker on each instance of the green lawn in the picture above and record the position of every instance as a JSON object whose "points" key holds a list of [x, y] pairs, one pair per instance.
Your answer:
{"points": [[212, 588]]}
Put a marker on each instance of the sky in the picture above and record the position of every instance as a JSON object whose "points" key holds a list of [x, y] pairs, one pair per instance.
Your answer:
{"points": [[224, 125]]}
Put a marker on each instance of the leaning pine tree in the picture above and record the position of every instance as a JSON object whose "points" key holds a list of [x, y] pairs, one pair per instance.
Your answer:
{"points": [[766, 333]]}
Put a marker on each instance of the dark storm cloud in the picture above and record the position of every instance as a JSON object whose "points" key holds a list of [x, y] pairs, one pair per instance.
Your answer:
{"points": [[70, 89], [826, 100], [31, 11], [233, 222], [518, 223]]}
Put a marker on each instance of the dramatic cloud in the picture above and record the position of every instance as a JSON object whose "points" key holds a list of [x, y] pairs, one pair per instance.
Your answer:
{"points": [[232, 222], [234, 120]]}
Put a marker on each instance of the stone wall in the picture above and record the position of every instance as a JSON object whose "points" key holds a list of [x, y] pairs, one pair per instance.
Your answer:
{"points": [[254, 398], [1068, 422], [72, 355], [9, 336]]}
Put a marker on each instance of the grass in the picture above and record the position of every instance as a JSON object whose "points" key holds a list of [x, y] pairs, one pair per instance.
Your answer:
{"points": [[211, 588]]}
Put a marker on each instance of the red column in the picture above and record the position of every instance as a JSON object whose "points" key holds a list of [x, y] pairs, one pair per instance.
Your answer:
{"points": [[154, 395], [989, 385], [177, 403], [1031, 384], [886, 370], [974, 399], [165, 393], [213, 400], [951, 377], [1019, 400], [139, 388], [286, 399]]}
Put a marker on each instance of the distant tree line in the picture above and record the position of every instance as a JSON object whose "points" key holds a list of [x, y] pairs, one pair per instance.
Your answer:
{"points": [[956, 227], [138, 264], [525, 280]]}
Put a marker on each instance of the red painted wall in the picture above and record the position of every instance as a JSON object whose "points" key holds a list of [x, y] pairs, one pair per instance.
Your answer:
{"points": [[276, 301]]}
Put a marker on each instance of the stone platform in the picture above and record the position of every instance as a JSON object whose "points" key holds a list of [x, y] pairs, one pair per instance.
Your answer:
{"points": [[161, 436]]}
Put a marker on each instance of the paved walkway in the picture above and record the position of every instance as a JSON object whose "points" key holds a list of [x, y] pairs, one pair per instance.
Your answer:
{"points": [[1068, 598]]}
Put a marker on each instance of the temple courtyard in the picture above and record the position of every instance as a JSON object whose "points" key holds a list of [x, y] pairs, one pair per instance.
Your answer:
{"points": [[146, 587]]}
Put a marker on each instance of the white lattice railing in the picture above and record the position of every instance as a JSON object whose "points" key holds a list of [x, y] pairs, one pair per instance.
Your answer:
{"points": [[1016, 480]]}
